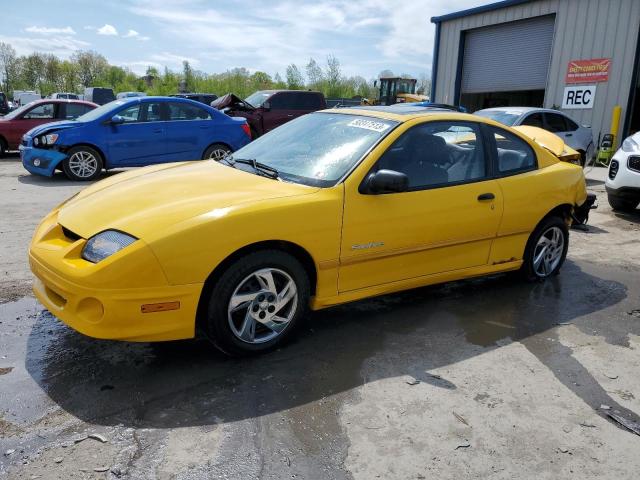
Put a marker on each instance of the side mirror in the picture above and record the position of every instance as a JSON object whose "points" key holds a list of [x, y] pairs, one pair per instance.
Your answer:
{"points": [[266, 106], [117, 120], [386, 181]]}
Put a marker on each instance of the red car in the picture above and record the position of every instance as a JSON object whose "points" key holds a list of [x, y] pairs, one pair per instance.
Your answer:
{"points": [[15, 124]]}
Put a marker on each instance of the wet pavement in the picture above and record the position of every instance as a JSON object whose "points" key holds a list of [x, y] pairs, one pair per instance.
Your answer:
{"points": [[486, 378]]}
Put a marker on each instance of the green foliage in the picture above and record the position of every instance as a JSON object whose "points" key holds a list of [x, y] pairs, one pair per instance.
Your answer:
{"points": [[47, 74]]}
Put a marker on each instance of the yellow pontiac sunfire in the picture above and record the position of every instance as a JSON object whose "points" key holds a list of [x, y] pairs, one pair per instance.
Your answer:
{"points": [[333, 207]]}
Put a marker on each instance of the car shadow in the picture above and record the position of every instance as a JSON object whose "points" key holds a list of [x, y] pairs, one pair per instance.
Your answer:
{"points": [[186, 383], [632, 217]]}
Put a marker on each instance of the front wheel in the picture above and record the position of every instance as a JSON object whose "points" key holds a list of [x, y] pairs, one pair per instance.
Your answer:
{"points": [[257, 302], [83, 164], [546, 249], [622, 204], [217, 151]]}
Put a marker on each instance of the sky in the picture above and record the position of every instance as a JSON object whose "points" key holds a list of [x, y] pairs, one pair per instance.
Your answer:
{"points": [[367, 36]]}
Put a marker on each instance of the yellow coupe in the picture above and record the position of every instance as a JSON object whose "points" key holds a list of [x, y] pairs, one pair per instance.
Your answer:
{"points": [[333, 207]]}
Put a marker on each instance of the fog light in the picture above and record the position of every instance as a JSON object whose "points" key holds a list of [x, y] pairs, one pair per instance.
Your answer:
{"points": [[36, 162]]}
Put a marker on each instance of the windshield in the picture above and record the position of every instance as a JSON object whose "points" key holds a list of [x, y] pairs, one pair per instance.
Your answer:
{"points": [[17, 111], [258, 98], [502, 116], [98, 112], [317, 149]]}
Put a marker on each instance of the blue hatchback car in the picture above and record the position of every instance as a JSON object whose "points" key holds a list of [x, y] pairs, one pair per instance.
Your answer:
{"points": [[132, 132]]}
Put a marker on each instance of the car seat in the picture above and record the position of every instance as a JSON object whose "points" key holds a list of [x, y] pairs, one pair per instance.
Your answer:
{"points": [[511, 160], [426, 156]]}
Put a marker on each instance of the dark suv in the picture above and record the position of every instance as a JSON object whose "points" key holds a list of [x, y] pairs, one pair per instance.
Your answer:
{"points": [[268, 109], [205, 98]]}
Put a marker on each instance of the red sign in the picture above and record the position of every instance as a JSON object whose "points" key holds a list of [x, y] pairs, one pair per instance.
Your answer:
{"points": [[588, 71]]}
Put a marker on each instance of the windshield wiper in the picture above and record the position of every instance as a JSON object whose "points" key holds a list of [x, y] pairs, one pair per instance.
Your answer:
{"points": [[261, 168]]}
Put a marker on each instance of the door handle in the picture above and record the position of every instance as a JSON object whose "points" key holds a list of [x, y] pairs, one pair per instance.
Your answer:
{"points": [[568, 134], [290, 115], [486, 196], [159, 130]]}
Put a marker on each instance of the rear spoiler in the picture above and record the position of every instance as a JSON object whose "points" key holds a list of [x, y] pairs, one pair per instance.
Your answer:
{"points": [[550, 142]]}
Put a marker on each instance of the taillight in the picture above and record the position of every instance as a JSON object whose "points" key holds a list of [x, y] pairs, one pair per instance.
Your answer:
{"points": [[613, 169], [246, 129]]}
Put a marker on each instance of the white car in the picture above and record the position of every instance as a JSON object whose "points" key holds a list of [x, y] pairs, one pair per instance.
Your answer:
{"points": [[578, 137], [623, 180]]}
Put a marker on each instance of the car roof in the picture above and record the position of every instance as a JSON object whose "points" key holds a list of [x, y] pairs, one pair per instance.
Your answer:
{"points": [[404, 114], [65, 100], [522, 110]]}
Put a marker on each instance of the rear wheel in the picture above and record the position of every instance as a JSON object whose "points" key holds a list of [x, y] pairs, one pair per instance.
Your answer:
{"points": [[3, 147], [546, 249], [217, 151], [83, 164], [257, 302], [622, 204]]}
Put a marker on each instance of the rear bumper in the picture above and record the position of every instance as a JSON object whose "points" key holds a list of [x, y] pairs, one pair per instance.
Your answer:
{"points": [[47, 160]]}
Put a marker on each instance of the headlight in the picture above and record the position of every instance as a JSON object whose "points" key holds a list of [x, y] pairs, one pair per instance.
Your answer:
{"points": [[630, 145], [49, 139], [105, 244]]}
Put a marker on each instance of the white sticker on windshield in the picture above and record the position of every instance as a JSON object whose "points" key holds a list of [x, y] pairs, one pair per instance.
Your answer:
{"points": [[369, 125]]}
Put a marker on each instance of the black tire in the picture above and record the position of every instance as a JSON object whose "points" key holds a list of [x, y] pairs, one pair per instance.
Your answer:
{"points": [[622, 204], [583, 158], [218, 321], [3, 147], [211, 150], [254, 133], [528, 269], [73, 174]]}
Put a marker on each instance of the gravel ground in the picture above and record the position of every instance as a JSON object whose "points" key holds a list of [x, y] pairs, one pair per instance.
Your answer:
{"points": [[488, 378]]}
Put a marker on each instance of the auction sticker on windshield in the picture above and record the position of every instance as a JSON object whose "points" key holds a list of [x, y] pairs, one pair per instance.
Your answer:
{"points": [[369, 125]]}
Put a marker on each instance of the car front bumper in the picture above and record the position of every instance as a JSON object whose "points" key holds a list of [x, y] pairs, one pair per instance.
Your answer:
{"points": [[46, 159], [124, 298]]}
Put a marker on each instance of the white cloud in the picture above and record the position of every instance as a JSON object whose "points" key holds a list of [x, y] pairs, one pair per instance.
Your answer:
{"points": [[107, 30], [136, 35], [50, 30], [173, 59], [62, 46]]}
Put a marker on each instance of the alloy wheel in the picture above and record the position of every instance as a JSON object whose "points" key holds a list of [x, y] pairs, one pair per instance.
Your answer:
{"points": [[548, 252], [218, 154], [83, 164], [262, 305]]}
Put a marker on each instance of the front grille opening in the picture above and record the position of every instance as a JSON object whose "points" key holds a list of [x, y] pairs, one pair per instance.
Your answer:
{"points": [[70, 235], [634, 164], [613, 169]]}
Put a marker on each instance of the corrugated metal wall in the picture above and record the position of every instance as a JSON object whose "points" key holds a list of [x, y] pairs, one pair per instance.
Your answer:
{"points": [[584, 29]]}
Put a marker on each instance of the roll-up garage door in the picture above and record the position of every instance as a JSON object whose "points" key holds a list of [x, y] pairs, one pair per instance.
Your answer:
{"points": [[506, 57]]}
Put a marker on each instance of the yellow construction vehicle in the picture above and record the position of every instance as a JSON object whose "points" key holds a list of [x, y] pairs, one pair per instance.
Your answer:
{"points": [[399, 90]]}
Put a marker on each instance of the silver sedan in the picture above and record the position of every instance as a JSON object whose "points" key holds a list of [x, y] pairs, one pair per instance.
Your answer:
{"points": [[576, 136]]}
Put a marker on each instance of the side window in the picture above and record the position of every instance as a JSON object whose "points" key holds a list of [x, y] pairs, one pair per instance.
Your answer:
{"points": [[534, 120], [571, 125], [307, 101], [282, 101], [555, 122], [74, 110], [152, 112], [43, 111], [437, 154], [184, 111], [514, 154], [130, 114]]}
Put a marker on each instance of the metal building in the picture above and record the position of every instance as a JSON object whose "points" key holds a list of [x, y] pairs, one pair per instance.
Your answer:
{"points": [[579, 56]]}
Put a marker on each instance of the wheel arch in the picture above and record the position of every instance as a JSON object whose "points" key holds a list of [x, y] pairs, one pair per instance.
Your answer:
{"points": [[3, 141], [215, 143], [95, 147], [564, 211], [295, 250]]}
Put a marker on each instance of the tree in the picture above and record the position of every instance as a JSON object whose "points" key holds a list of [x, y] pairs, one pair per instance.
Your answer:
{"points": [[7, 66], [333, 77], [295, 80], [279, 83], [423, 86], [91, 66], [187, 76], [314, 74]]}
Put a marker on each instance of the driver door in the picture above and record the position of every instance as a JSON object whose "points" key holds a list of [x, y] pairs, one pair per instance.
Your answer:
{"points": [[445, 221]]}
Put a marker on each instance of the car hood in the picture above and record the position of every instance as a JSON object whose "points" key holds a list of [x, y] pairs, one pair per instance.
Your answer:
{"points": [[231, 101], [62, 125], [146, 202]]}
